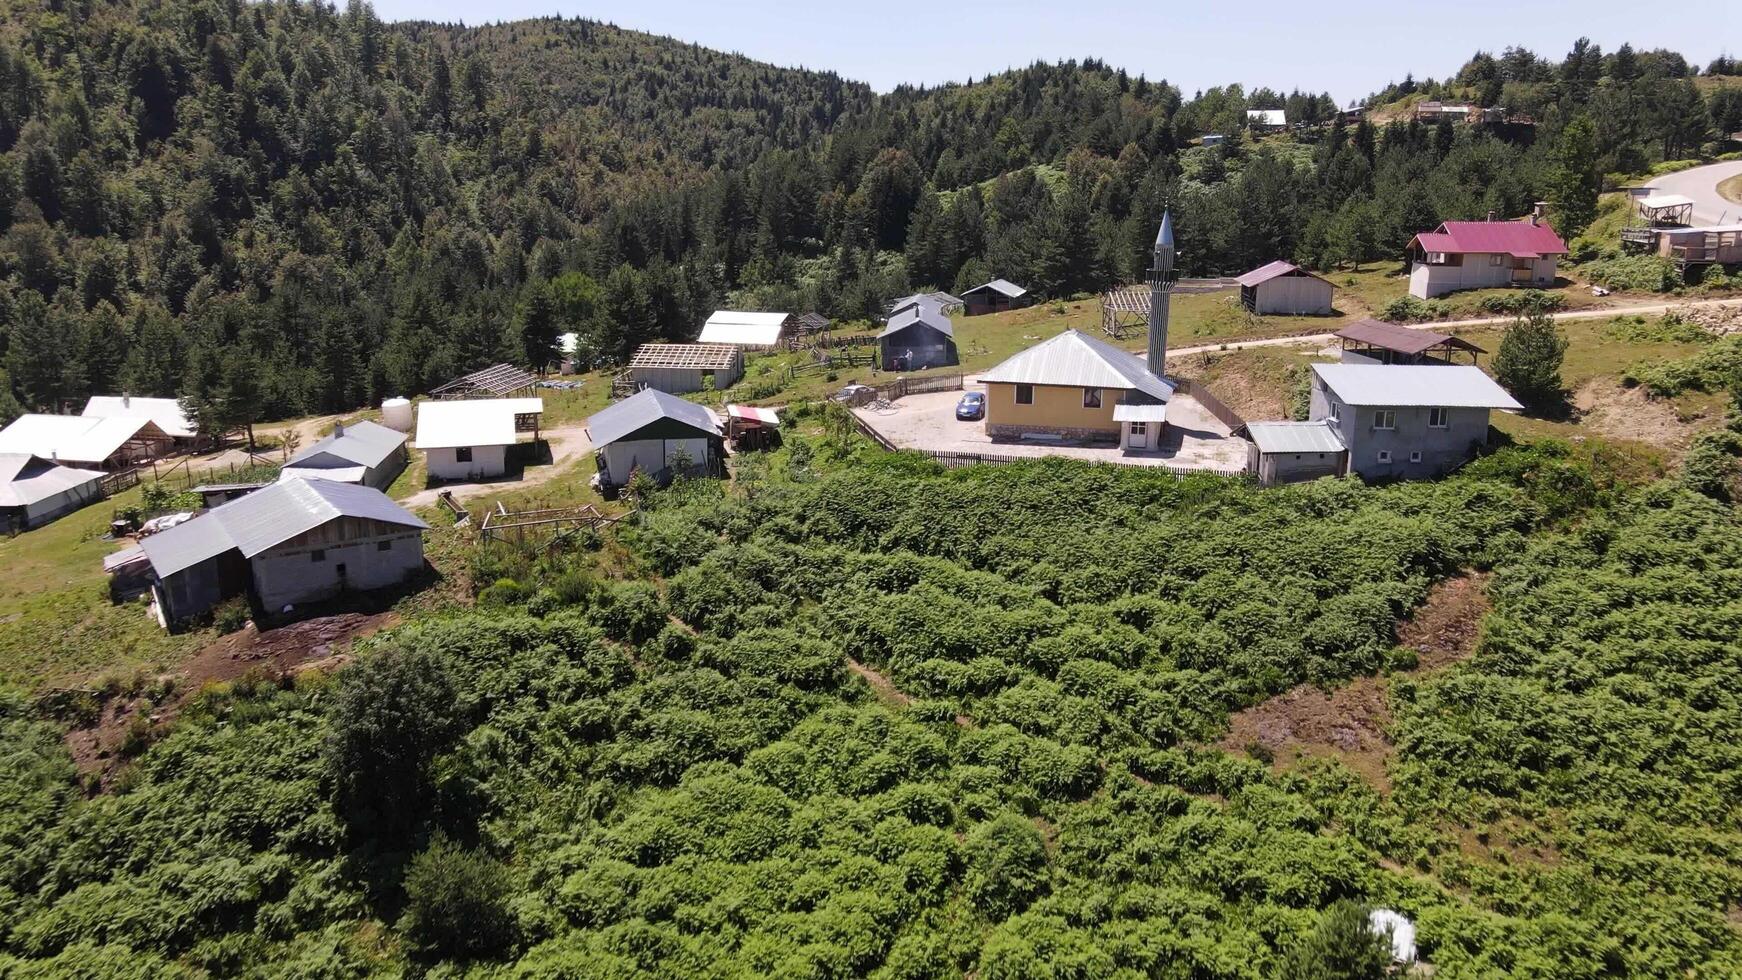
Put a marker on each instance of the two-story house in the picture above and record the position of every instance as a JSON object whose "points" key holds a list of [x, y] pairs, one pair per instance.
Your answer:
{"points": [[1404, 421]]}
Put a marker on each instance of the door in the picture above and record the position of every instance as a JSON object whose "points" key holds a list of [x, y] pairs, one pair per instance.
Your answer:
{"points": [[1138, 435]]}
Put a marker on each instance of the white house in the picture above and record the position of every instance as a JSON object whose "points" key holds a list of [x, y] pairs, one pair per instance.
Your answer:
{"points": [[361, 452], [746, 329], [34, 491], [1481, 254], [468, 439], [654, 432], [288, 544]]}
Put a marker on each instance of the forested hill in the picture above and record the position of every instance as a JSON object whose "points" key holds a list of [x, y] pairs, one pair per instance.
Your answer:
{"points": [[282, 208]]}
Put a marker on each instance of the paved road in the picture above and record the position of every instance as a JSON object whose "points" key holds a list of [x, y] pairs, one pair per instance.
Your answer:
{"points": [[1649, 309], [1701, 184]]}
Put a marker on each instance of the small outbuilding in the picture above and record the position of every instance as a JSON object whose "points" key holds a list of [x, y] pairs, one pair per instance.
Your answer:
{"points": [[468, 439], [1371, 341], [918, 337], [288, 544], [34, 491], [1288, 452], [993, 297], [361, 452], [747, 329], [680, 368], [657, 433], [1285, 289]]}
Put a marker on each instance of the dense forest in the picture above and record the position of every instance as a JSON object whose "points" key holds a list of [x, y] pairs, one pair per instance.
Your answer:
{"points": [[591, 776], [292, 208]]}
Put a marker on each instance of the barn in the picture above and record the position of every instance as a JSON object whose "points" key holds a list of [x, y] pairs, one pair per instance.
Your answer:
{"points": [[468, 439], [652, 431], [285, 545], [1284, 289], [361, 452], [993, 297], [680, 368], [917, 337], [34, 491]]}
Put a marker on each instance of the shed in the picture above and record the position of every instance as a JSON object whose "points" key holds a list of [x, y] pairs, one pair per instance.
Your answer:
{"points": [[806, 324], [748, 329], [918, 337], [288, 544], [679, 368], [1372, 341], [495, 381], [469, 439], [1286, 452], [751, 427], [1660, 210], [361, 452], [1286, 289], [992, 297], [945, 302], [657, 433], [34, 491]]}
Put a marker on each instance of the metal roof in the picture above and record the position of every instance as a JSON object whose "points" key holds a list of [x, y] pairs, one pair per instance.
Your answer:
{"points": [[643, 408], [75, 438], [707, 357], [1294, 437], [941, 299], [1519, 238], [1403, 340], [1657, 202], [1004, 286], [1139, 413], [166, 412], [744, 328], [1415, 385], [365, 443], [471, 422], [497, 379], [269, 517], [919, 313], [766, 416], [1273, 270], [1268, 117], [811, 322], [1164, 235], [1075, 359], [338, 474], [26, 479]]}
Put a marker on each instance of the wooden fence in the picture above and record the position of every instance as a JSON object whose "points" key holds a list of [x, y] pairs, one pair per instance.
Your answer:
{"points": [[114, 483], [502, 524], [902, 387]]}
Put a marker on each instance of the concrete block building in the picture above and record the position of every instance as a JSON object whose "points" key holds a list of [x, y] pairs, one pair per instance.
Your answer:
{"points": [[1407, 421]]}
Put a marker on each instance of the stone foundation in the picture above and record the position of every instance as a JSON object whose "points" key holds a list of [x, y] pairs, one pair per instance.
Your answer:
{"points": [[1014, 433]]}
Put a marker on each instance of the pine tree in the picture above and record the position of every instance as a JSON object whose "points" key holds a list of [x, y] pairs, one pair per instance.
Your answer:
{"points": [[1574, 180], [1528, 362]]}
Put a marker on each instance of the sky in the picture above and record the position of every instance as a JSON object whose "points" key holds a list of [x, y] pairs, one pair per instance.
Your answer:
{"points": [[1347, 47]]}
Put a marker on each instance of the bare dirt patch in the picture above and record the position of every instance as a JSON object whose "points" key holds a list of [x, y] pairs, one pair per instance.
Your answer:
{"points": [[1615, 412], [125, 722], [1351, 723]]}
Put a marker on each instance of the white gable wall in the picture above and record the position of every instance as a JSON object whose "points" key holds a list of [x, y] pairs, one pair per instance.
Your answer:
{"points": [[487, 463]]}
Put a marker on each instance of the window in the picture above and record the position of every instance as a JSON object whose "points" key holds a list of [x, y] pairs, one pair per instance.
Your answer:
{"points": [[1385, 418], [1335, 409], [1415, 456], [463, 454], [1385, 455], [384, 545], [1437, 418], [1091, 398], [319, 554], [1025, 394], [1139, 428], [1496, 259]]}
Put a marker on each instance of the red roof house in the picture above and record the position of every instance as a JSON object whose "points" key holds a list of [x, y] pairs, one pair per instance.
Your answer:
{"points": [[1482, 254]]}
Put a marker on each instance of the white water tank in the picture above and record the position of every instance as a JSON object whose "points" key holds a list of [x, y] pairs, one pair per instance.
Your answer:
{"points": [[396, 414]]}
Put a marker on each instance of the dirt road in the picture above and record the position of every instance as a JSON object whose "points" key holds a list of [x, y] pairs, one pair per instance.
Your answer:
{"points": [[1650, 309], [568, 445]]}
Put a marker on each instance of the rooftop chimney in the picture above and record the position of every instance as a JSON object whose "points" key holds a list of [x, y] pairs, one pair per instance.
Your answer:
{"points": [[1492, 216], [1536, 211], [1161, 281], [338, 429]]}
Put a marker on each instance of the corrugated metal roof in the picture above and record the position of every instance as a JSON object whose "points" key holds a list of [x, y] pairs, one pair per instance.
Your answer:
{"points": [[365, 443], [338, 474], [1294, 437], [1415, 385], [1655, 202], [268, 517], [27, 479], [1003, 286], [1404, 340], [921, 312], [938, 298], [645, 407], [1520, 238], [166, 412], [767, 416], [1076, 359], [742, 327], [1273, 270], [471, 421], [74, 438], [1139, 413]]}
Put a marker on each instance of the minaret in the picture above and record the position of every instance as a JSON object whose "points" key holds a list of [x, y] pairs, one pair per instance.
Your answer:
{"points": [[1161, 279]]}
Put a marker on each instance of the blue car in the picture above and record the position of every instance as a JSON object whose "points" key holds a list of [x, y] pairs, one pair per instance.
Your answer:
{"points": [[972, 407]]}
